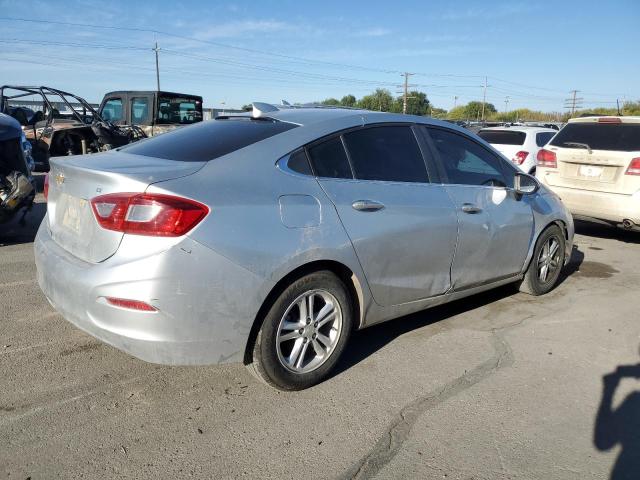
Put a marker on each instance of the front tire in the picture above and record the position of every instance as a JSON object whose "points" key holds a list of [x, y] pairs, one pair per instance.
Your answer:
{"points": [[546, 263], [304, 332]]}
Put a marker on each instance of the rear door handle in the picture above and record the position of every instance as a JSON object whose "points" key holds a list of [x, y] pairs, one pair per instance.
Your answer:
{"points": [[470, 208], [367, 205]]}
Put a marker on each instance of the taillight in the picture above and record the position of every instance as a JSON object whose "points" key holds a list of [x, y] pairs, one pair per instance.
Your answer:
{"points": [[546, 158], [147, 213], [131, 304], [520, 157], [634, 167], [45, 192]]}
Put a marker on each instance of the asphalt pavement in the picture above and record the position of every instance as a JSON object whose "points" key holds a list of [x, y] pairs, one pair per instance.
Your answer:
{"points": [[500, 385]]}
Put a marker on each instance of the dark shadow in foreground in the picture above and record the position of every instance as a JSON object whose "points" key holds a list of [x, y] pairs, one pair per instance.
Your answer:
{"points": [[13, 232], [620, 426]]}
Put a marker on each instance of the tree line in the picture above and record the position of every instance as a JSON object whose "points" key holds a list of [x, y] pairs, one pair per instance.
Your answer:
{"points": [[418, 104]]}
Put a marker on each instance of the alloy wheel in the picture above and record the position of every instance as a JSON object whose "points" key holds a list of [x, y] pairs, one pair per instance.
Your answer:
{"points": [[309, 331]]}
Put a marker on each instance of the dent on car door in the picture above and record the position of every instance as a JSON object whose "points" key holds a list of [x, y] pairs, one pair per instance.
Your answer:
{"points": [[495, 224], [402, 227]]}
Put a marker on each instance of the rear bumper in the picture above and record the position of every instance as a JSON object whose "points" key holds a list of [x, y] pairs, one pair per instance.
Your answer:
{"points": [[201, 319], [612, 207]]}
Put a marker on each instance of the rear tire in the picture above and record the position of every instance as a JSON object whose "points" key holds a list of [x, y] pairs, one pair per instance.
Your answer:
{"points": [[304, 333], [546, 263]]}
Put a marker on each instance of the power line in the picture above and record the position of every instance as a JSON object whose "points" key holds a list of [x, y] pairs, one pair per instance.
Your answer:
{"points": [[199, 40]]}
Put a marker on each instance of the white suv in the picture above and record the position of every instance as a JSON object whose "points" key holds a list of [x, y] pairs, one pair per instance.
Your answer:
{"points": [[519, 144], [593, 164]]}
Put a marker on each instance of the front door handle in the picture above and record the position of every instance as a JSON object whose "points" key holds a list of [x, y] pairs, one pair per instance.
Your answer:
{"points": [[470, 208], [367, 205]]}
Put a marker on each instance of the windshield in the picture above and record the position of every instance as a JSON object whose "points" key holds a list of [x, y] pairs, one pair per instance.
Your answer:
{"points": [[618, 137], [179, 110], [503, 137]]}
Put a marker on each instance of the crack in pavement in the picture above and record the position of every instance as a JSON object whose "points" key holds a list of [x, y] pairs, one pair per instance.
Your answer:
{"points": [[390, 443]]}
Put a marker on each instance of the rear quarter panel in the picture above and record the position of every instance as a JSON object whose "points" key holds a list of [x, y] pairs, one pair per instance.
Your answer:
{"points": [[246, 225]]}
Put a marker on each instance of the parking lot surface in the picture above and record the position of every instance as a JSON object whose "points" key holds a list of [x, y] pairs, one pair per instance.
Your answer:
{"points": [[499, 385]]}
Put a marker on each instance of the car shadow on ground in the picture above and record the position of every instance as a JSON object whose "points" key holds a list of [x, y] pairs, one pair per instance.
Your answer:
{"points": [[365, 343], [620, 426], [15, 232], [600, 230]]}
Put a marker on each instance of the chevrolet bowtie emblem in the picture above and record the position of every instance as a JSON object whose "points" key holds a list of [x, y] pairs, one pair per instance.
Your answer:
{"points": [[59, 178]]}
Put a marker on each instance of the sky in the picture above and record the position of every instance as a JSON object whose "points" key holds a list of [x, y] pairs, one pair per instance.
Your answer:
{"points": [[236, 52]]}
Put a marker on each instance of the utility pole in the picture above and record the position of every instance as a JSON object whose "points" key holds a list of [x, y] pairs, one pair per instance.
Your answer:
{"points": [[156, 50], [506, 104], [455, 101], [405, 92], [574, 102], [484, 97]]}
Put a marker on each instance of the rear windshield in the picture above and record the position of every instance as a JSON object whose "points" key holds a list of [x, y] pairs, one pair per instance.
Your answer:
{"points": [[180, 110], [208, 140], [619, 137], [503, 137]]}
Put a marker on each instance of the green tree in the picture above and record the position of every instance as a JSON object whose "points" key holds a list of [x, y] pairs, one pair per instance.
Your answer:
{"points": [[380, 100], [247, 108], [436, 112], [330, 101], [417, 104], [473, 110], [458, 113], [348, 101]]}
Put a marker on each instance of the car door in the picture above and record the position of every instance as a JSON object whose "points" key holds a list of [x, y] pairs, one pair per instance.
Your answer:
{"points": [[402, 227], [495, 223]]}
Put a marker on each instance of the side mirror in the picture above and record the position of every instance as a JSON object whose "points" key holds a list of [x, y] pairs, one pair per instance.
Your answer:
{"points": [[525, 184]]}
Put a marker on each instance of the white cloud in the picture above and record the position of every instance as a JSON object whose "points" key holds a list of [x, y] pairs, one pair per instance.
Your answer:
{"points": [[238, 29], [373, 32]]}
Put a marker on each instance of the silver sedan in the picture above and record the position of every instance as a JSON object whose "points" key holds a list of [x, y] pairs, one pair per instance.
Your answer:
{"points": [[269, 238]]}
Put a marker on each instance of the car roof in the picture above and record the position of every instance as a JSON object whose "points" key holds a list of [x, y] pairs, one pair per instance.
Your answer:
{"points": [[523, 128], [605, 119], [308, 115], [150, 92]]}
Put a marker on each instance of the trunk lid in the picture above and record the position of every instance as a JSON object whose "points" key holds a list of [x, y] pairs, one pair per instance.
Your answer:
{"points": [[74, 181]]}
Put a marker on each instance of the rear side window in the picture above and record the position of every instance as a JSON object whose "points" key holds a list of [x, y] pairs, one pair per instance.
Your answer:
{"points": [[389, 153], [298, 163], [619, 137], [208, 140], [503, 137], [543, 138], [330, 160], [139, 110]]}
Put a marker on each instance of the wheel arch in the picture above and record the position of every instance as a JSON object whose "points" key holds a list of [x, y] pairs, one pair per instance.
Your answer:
{"points": [[344, 273], [557, 222]]}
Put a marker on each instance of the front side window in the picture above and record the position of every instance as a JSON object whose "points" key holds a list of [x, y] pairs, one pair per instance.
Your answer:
{"points": [[330, 160], [386, 153], [112, 110], [139, 110], [465, 162]]}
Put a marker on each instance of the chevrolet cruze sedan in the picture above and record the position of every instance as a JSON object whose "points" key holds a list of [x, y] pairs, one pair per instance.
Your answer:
{"points": [[269, 238]]}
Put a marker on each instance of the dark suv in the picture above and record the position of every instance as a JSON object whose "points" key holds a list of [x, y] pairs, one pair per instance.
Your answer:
{"points": [[154, 112]]}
